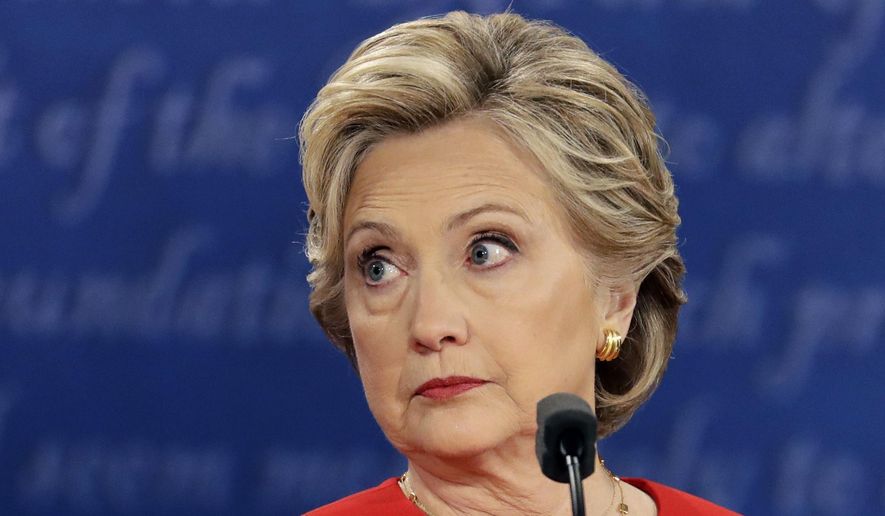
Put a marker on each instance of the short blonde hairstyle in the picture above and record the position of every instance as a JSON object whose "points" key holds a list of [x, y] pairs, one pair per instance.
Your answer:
{"points": [[589, 127]]}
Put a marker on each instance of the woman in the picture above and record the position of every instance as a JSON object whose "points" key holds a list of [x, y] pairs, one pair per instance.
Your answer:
{"points": [[489, 215]]}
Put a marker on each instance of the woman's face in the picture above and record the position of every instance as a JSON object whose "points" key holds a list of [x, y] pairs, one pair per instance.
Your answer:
{"points": [[460, 264]]}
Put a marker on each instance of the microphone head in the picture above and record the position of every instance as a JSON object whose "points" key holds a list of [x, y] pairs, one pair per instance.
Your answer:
{"points": [[566, 425]]}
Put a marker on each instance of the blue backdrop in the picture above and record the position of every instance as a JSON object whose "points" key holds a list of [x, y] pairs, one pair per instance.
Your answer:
{"points": [[156, 352]]}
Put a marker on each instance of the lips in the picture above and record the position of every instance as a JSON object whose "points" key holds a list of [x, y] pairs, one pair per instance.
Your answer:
{"points": [[444, 388]]}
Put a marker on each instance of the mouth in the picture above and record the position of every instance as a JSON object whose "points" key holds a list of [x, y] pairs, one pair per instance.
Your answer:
{"points": [[449, 387]]}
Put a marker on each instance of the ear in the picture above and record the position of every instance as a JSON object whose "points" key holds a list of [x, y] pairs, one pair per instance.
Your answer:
{"points": [[619, 307]]}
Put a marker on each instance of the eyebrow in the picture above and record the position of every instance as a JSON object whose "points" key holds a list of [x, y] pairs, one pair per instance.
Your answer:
{"points": [[462, 218], [454, 222], [381, 227]]}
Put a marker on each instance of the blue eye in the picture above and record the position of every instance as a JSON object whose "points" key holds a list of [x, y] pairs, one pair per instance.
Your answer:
{"points": [[375, 271], [491, 250], [479, 254], [378, 271]]}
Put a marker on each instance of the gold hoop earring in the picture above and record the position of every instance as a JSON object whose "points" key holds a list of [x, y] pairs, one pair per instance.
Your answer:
{"points": [[612, 347]]}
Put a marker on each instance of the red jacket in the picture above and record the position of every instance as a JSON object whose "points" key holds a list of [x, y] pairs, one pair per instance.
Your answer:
{"points": [[386, 499]]}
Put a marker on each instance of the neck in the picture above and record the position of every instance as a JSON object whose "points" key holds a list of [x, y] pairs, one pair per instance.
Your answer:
{"points": [[496, 482]]}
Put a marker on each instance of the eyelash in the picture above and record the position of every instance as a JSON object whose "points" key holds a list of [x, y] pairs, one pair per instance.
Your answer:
{"points": [[369, 253], [498, 238]]}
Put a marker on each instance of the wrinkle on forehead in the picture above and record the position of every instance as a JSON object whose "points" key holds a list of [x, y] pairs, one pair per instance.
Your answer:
{"points": [[381, 198], [463, 160]]}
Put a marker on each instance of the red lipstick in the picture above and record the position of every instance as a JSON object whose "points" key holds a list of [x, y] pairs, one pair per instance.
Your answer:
{"points": [[449, 387]]}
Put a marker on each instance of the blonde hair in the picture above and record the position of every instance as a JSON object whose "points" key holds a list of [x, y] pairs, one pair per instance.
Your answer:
{"points": [[590, 128]]}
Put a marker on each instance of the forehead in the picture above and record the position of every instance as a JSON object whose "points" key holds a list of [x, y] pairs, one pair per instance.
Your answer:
{"points": [[451, 166]]}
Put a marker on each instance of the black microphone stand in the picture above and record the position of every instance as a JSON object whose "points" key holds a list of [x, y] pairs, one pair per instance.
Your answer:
{"points": [[565, 443], [575, 485], [572, 448]]}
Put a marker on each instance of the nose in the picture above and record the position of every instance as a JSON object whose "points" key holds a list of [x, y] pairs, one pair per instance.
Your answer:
{"points": [[439, 315]]}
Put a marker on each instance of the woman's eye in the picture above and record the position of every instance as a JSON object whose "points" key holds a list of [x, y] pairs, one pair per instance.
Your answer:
{"points": [[488, 254], [379, 271]]}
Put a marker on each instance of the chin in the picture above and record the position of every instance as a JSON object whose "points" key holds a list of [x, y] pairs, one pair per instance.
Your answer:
{"points": [[459, 428], [464, 441]]}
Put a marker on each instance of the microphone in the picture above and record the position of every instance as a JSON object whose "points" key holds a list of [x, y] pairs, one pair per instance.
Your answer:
{"points": [[566, 443]]}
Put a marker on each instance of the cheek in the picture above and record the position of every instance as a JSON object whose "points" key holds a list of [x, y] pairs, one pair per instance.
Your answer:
{"points": [[380, 361], [378, 302], [377, 336], [544, 333], [549, 310]]}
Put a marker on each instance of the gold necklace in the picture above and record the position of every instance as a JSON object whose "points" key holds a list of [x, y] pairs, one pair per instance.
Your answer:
{"points": [[406, 488], [622, 507]]}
